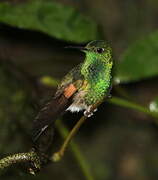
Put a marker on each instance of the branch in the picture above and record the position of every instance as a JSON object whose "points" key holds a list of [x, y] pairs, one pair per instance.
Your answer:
{"points": [[58, 155], [131, 105], [30, 157], [82, 162]]}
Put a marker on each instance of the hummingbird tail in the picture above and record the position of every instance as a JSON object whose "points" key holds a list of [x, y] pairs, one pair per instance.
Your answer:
{"points": [[49, 113], [47, 116]]}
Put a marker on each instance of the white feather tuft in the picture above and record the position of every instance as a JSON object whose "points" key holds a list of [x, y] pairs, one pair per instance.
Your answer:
{"points": [[74, 108]]}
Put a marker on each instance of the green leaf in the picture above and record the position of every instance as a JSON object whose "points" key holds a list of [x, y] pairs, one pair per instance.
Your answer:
{"points": [[140, 61], [52, 18]]}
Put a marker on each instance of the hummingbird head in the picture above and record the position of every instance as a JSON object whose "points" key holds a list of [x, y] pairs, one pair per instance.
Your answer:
{"points": [[98, 49]]}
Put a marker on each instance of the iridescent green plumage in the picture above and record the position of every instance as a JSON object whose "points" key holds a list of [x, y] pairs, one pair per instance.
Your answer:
{"points": [[92, 78], [97, 72], [84, 86]]}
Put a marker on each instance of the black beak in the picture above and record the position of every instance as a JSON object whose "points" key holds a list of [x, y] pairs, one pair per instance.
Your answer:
{"points": [[77, 47]]}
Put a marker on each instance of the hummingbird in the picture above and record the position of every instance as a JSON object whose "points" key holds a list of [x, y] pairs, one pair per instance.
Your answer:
{"points": [[83, 87]]}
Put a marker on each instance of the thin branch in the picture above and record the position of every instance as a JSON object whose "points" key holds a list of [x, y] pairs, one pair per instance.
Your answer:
{"points": [[58, 155], [76, 151], [131, 105]]}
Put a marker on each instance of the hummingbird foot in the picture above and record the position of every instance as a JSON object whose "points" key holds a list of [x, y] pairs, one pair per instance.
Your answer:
{"points": [[89, 112]]}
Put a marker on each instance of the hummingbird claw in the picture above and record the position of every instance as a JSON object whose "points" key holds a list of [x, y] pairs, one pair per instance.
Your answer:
{"points": [[88, 114]]}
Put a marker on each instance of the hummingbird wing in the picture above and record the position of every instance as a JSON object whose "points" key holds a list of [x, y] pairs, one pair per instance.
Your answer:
{"points": [[73, 77], [58, 104]]}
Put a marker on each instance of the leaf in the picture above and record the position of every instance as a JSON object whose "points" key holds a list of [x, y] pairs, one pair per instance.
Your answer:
{"points": [[140, 61], [51, 18]]}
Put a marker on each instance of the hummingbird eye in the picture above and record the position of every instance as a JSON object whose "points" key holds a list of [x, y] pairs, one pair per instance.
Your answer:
{"points": [[100, 50]]}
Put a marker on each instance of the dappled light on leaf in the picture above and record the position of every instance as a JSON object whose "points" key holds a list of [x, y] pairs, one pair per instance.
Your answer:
{"points": [[140, 61], [52, 18]]}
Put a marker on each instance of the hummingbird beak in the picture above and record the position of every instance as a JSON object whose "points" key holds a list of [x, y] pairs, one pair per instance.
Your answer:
{"points": [[77, 47]]}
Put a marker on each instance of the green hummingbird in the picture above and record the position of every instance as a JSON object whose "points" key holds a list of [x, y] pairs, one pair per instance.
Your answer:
{"points": [[84, 86]]}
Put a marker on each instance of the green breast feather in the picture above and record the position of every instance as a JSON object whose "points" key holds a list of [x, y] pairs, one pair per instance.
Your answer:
{"points": [[98, 76]]}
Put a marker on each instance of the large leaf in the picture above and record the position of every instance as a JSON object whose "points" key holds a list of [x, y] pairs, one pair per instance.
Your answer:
{"points": [[140, 61], [49, 17]]}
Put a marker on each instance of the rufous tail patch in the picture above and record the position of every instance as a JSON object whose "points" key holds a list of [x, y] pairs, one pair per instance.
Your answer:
{"points": [[69, 91]]}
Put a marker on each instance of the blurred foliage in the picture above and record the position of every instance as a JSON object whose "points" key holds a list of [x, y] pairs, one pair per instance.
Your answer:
{"points": [[153, 106], [51, 18], [139, 61], [16, 111], [18, 106], [49, 81]]}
